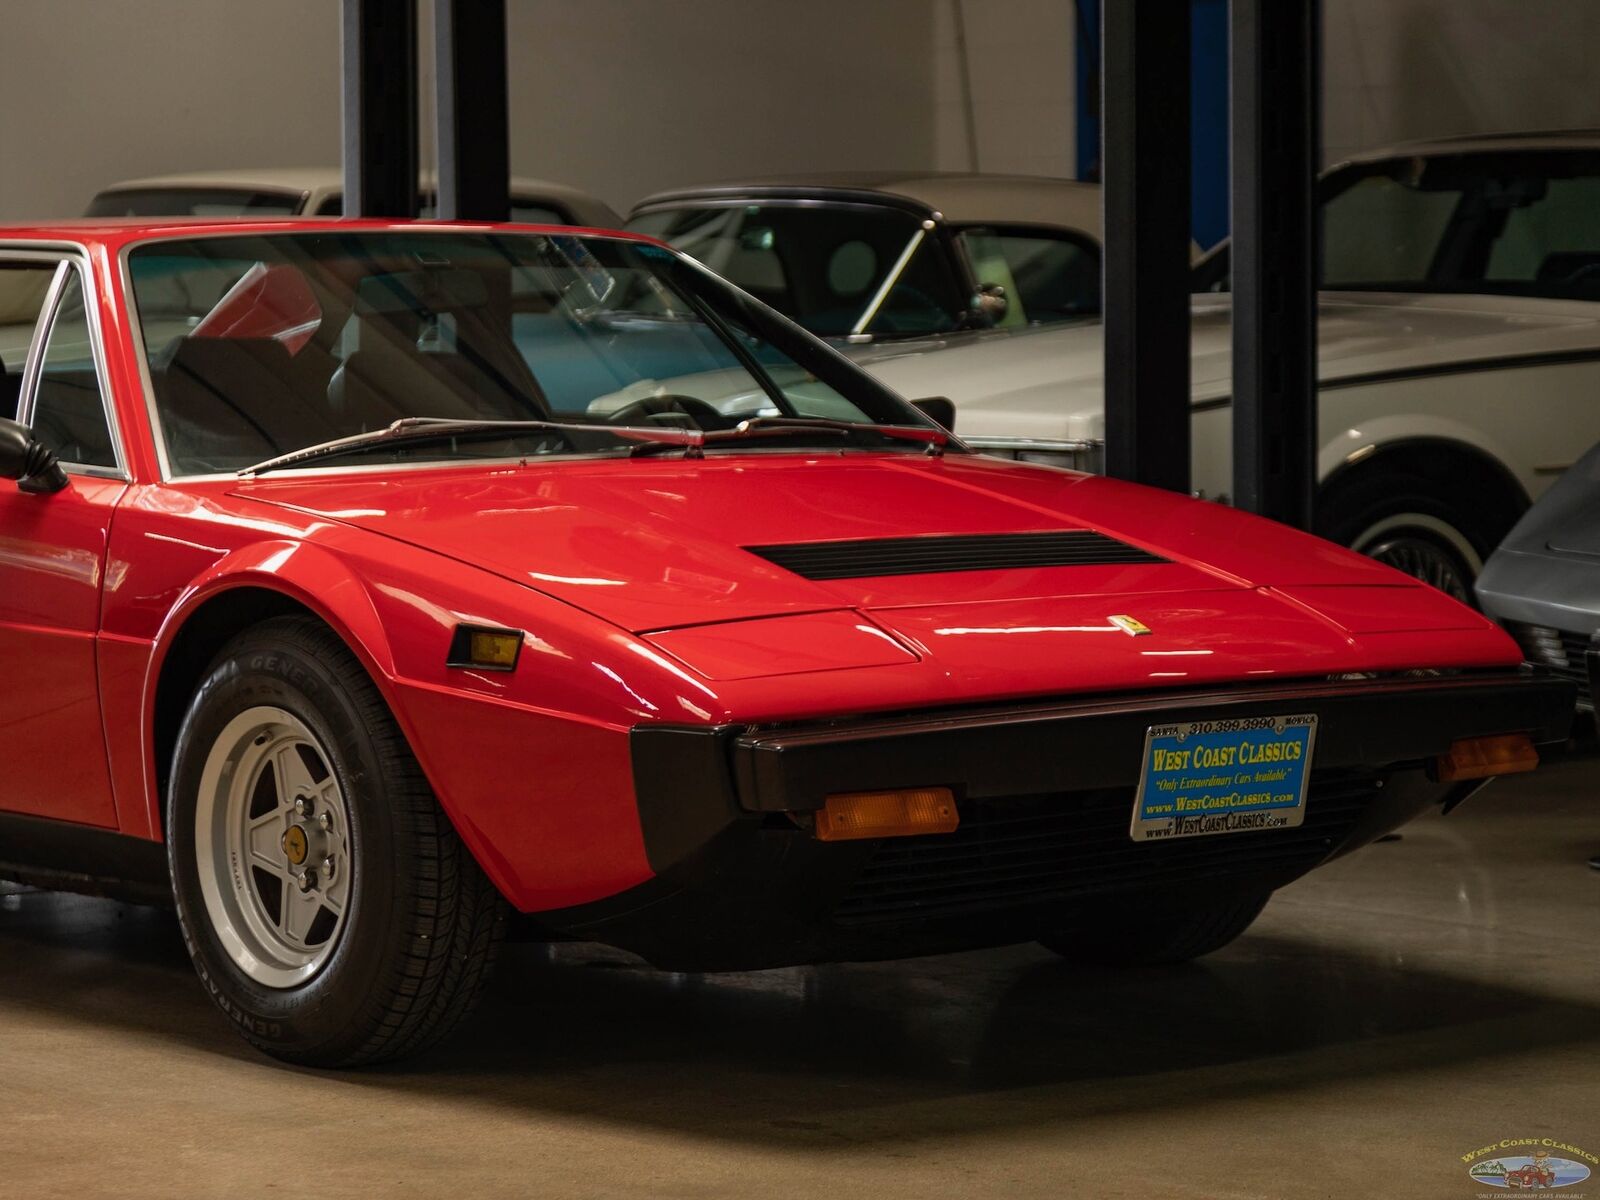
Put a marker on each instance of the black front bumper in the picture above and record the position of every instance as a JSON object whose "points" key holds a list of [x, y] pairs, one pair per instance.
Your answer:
{"points": [[1045, 793]]}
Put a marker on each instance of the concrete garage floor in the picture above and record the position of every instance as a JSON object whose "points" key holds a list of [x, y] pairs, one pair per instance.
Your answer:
{"points": [[1388, 1015]]}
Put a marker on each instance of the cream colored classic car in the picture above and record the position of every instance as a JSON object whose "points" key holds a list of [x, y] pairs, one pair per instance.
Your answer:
{"points": [[319, 192], [1459, 330]]}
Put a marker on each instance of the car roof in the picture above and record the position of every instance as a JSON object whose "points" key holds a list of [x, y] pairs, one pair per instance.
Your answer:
{"points": [[112, 233], [302, 180], [1485, 143], [961, 198]]}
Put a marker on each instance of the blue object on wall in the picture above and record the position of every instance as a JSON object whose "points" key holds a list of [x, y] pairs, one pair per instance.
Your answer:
{"points": [[1208, 83], [1088, 89]]}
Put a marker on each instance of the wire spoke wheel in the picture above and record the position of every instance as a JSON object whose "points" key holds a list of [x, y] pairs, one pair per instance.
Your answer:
{"points": [[273, 847], [1426, 560]]}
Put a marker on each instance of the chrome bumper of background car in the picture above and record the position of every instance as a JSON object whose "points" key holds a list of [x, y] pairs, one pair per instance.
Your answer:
{"points": [[1045, 793], [1570, 654]]}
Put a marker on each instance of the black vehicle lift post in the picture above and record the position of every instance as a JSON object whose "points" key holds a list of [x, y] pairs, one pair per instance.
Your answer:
{"points": [[380, 109], [1145, 149], [1277, 89], [379, 86], [470, 72]]}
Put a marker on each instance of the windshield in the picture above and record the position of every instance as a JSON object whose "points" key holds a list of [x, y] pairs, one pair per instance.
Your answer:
{"points": [[1494, 223], [194, 202], [823, 265], [259, 346]]}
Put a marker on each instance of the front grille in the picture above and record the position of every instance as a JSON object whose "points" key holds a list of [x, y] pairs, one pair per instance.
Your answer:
{"points": [[864, 558], [1016, 853], [1564, 652]]}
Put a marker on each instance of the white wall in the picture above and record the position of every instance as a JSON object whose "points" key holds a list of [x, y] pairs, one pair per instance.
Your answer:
{"points": [[1012, 110], [620, 97], [1402, 69], [92, 91], [623, 97]]}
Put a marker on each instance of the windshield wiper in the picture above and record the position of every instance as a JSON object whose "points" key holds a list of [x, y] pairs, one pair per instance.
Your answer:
{"points": [[412, 430], [933, 440]]}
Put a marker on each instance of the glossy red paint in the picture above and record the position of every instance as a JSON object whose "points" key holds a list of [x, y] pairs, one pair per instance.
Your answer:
{"points": [[52, 561], [639, 604]]}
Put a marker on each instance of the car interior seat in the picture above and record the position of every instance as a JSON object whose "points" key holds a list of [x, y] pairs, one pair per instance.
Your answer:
{"points": [[1570, 266], [390, 378]]}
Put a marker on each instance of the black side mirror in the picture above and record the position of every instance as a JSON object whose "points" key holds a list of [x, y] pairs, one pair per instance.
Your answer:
{"points": [[990, 304], [939, 409], [29, 461]]}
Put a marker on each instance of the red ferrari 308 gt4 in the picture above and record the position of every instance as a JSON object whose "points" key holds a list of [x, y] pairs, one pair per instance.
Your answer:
{"points": [[363, 585]]}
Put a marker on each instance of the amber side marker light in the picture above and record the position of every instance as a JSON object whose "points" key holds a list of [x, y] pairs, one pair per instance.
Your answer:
{"points": [[1484, 757], [851, 815], [484, 649]]}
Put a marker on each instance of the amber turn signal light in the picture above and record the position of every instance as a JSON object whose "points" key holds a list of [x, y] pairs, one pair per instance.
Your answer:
{"points": [[1484, 757], [485, 649], [851, 815]]}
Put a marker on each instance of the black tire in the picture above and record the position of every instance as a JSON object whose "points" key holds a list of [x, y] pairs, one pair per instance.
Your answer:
{"points": [[1157, 937], [1431, 530], [422, 924]]}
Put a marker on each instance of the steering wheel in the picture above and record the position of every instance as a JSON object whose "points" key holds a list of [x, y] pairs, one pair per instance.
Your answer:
{"points": [[661, 410]]}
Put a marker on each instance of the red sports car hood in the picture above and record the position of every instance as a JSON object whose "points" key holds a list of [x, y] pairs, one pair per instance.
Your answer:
{"points": [[655, 545]]}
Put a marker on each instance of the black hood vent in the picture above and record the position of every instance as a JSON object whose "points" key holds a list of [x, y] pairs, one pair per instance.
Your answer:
{"points": [[964, 552]]}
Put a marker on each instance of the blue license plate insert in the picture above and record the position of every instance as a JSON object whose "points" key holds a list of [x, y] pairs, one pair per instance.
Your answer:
{"points": [[1227, 776]]}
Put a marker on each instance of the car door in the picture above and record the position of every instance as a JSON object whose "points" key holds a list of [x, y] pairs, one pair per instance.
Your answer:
{"points": [[53, 559]]}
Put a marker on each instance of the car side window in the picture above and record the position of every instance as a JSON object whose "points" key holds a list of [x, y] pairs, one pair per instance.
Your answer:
{"points": [[1552, 239], [1049, 275], [24, 287], [69, 413]]}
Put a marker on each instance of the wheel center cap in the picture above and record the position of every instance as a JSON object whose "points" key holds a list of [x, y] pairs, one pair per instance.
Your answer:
{"points": [[295, 845]]}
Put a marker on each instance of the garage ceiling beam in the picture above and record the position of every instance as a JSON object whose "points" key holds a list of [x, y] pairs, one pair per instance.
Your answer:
{"points": [[379, 86], [1145, 109], [1276, 150], [472, 106]]}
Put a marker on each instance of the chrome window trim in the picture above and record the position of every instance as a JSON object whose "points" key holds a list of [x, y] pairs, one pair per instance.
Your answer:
{"points": [[136, 337], [890, 280], [1038, 445], [71, 256], [30, 364]]}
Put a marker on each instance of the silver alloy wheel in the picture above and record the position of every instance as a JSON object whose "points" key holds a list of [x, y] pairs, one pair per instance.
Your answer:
{"points": [[273, 847]]}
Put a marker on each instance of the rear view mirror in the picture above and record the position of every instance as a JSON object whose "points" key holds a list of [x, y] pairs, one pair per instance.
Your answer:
{"points": [[29, 461], [939, 409]]}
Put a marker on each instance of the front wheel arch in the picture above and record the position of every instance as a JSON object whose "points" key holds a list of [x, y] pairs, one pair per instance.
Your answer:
{"points": [[1442, 503], [1490, 496], [186, 652]]}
